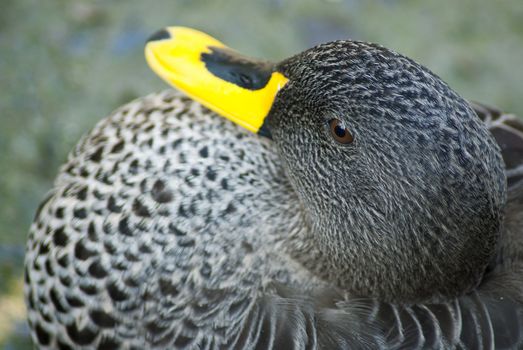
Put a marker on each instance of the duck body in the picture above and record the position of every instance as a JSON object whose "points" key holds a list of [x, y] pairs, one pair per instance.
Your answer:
{"points": [[140, 256], [171, 209], [172, 228]]}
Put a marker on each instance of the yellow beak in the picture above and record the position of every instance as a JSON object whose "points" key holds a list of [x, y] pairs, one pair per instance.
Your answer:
{"points": [[239, 88]]}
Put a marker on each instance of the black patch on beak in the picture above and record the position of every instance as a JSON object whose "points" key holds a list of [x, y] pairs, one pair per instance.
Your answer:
{"points": [[237, 69], [160, 35]]}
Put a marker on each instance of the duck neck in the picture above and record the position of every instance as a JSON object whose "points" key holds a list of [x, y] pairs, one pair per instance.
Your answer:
{"points": [[372, 248]]}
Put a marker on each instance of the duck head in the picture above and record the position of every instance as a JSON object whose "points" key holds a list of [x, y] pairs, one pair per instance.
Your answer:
{"points": [[402, 188]]}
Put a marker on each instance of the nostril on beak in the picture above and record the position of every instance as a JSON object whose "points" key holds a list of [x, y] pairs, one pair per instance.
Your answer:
{"points": [[162, 34]]}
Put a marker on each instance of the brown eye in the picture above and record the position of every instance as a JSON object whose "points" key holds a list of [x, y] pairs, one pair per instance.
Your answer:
{"points": [[340, 132]]}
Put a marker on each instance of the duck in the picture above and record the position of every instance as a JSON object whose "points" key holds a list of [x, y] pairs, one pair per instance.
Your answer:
{"points": [[343, 198]]}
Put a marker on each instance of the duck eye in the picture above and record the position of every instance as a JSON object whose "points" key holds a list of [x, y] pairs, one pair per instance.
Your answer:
{"points": [[339, 132]]}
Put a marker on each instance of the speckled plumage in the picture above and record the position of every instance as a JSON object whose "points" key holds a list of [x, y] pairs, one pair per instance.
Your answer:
{"points": [[399, 186], [169, 227], [139, 219]]}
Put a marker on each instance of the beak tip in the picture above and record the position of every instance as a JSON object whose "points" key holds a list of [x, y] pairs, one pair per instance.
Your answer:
{"points": [[162, 34]]}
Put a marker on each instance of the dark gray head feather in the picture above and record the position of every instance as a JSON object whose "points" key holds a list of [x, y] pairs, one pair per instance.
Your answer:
{"points": [[412, 208]]}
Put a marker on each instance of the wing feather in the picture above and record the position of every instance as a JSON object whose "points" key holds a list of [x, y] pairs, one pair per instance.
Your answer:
{"points": [[507, 129], [473, 321]]}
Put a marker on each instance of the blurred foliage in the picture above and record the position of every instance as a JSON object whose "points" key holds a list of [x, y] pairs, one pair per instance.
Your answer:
{"points": [[64, 64]]}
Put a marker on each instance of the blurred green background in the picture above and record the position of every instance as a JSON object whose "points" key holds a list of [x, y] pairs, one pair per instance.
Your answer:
{"points": [[66, 64]]}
